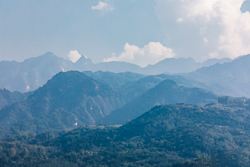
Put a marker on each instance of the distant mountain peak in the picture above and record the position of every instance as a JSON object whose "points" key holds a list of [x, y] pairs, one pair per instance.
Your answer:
{"points": [[84, 60], [48, 54], [69, 76]]}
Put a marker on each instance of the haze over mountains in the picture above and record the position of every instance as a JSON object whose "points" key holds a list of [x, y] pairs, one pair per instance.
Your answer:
{"points": [[84, 116], [34, 72], [89, 117], [166, 83], [232, 78], [72, 99]]}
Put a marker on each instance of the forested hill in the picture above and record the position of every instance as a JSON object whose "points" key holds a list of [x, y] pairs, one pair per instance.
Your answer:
{"points": [[166, 92], [68, 100], [169, 135], [7, 97]]}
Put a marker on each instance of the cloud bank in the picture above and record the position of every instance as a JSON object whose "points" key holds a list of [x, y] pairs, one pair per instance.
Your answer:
{"points": [[205, 28], [103, 6], [74, 56], [149, 54]]}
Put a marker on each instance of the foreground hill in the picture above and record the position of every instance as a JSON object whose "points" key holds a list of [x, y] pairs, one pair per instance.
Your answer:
{"points": [[230, 78], [167, 92], [217, 135], [67, 100]]}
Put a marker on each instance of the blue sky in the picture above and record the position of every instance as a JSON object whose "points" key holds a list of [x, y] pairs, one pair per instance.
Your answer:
{"points": [[136, 31]]}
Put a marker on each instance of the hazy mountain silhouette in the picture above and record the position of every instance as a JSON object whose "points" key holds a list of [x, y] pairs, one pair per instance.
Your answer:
{"points": [[232, 78], [180, 65], [32, 73], [35, 72]]}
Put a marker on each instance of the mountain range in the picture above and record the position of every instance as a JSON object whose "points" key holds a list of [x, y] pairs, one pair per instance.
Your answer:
{"points": [[232, 78], [102, 118], [131, 85], [166, 92], [35, 72], [71, 99]]}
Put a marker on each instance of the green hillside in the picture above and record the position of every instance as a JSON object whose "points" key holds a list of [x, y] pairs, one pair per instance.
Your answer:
{"points": [[167, 92], [170, 135], [68, 100]]}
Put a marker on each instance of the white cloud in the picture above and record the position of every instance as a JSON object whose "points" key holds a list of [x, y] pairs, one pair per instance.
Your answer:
{"points": [[220, 21], [205, 40], [74, 55], [104, 6], [27, 88], [149, 54], [179, 20]]}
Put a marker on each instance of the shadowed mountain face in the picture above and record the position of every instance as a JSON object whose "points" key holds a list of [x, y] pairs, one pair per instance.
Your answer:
{"points": [[231, 78], [67, 100], [35, 72], [167, 92]]}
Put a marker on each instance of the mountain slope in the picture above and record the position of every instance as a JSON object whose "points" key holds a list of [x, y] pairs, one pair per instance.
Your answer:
{"points": [[32, 73], [136, 88], [114, 80], [162, 136], [230, 78], [214, 61], [180, 65], [173, 65], [117, 67], [167, 92], [7, 97], [67, 100]]}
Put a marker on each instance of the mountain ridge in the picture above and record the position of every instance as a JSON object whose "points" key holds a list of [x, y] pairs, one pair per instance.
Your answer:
{"points": [[68, 100], [230, 78], [166, 92], [36, 71]]}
